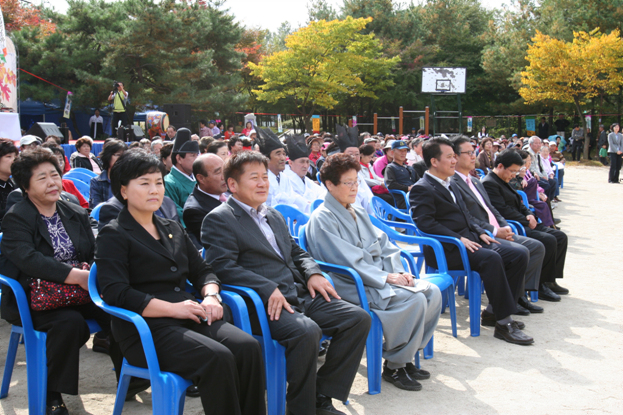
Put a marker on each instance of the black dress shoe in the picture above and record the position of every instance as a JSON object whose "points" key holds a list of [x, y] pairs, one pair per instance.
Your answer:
{"points": [[557, 288], [546, 294], [557, 221], [521, 311], [488, 319], [401, 379], [415, 373], [324, 406], [56, 407], [101, 344], [512, 334], [523, 301], [192, 391]]}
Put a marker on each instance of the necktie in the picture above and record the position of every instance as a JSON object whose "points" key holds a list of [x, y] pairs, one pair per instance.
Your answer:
{"points": [[279, 178], [492, 220], [222, 198]]}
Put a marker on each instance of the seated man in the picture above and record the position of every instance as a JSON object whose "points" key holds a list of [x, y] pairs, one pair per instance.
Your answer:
{"points": [[208, 194], [547, 182], [398, 175], [248, 244], [280, 191], [487, 217], [438, 208], [341, 233], [508, 202], [300, 183], [180, 183]]}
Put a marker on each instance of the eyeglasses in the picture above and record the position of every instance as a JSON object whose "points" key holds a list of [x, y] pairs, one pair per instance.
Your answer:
{"points": [[469, 153], [514, 173], [350, 185]]}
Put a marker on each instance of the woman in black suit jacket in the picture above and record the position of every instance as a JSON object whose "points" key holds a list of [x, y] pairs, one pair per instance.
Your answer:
{"points": [[143, 262], [44, 238]]}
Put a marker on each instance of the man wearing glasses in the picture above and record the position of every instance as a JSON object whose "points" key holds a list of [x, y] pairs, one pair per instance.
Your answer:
{"points": [[487, 217], [509, 204]]}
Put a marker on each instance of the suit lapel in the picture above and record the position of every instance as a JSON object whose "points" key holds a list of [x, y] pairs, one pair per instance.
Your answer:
{"points": [[439, 188], [139, 233], [280, 237], [72, 227]]}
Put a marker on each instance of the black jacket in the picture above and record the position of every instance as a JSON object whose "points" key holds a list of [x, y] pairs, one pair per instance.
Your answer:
{"points": [[85, 163], [477, 211], [27, 250], [110, 210], [505, 199], [133, 267], [197, 206], [400, 177]]}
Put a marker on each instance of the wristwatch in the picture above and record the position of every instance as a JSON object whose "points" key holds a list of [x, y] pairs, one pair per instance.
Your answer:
{"points": [[216, 295]]}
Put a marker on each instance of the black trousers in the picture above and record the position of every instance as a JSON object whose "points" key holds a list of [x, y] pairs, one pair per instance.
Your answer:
{"points": [[67, 331], [116, 117], [300, 334], [501, 267], [615, 167], [555, 242], [222, 360], [576, 150]]}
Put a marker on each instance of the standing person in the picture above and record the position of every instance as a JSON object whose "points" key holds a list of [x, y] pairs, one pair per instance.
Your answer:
{"points": [[602, 139], [119, 99], [96, 125], [615, 149], [247, 128], [592, 141], [483, 133], [204, 131], [215, 130], [142, 262], [577, 145], [543, 129], [561, 125]]}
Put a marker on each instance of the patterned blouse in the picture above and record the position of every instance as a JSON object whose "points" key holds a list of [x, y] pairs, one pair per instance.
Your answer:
{"points": [[64, 250]]}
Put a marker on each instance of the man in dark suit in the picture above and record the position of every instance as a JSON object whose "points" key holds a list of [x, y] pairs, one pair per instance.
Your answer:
{"points": [[248, 244], [487, 217], [508, 202], [207, 195], [438, 209]]}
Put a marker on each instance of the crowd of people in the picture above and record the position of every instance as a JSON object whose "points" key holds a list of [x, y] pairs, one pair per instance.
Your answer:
{"points": [[160, 202]]}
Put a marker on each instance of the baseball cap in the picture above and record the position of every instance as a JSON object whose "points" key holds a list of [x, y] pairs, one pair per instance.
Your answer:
{"points": [[370, 140], [514, 135], [28, 140], [388, 144], [399, 145]]}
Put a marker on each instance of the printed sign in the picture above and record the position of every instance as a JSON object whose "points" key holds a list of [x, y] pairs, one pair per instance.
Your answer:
{"points": [[469, 124], [279, 126], [67, 110], [316, 123], [354, 120]]}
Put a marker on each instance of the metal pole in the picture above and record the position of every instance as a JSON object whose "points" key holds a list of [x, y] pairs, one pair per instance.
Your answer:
{"points": [[458, 98], [426, 120], [400, 118], [376, 123]]}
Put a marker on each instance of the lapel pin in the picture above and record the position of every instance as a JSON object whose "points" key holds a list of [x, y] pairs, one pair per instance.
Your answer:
{"points": [[170, 236]]}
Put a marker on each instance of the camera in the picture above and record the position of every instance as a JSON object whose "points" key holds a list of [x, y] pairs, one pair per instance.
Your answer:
{"points": [[115, 86]]}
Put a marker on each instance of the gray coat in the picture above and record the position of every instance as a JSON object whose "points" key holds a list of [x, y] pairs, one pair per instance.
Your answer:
{"points": [[615, 142]]}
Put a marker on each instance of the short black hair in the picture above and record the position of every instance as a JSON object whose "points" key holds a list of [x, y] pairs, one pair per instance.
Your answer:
{"points": [[174, 157], [110, 149], [232, 142], [367, 150], [199, 167], [457, 141], [54, 148], [203, 122], [132, 164], [523, 153], [234, 166], [215, 146], [507, 158], [336, 165], [7, 146], [25, 163], [432, 149]]}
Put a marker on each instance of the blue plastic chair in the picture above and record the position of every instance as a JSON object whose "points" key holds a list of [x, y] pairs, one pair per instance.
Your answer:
{"points": [[294, 219], [316, 203], [442, 279], [83, 188], [517, 227], [524, 198], [400, 195], [481, 173], [82, 170], [168, 389], [73, 174], [389, 214], [95, 213], [318, 177], [35, 345]]}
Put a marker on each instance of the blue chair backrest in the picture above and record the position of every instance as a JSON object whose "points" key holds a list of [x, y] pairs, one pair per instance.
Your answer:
{"points": [[316, 203], [83, 188], [318, 177], [480, 172], [95, 213], [82, 170], [524, 197], [294, 219], [384, 210], [72, 174]]}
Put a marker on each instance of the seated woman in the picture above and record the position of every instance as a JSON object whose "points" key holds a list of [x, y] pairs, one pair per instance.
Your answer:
{"points": [[340, 233], [50, 240], [68, 185], [143, 263], [83, 157], [100, 186], [485, 158], [528, 184]]}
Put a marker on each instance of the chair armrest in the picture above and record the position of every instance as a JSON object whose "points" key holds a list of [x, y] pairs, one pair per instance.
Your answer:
{"points": [[259, 309], [517, 227], [22, 302], [238, 309], [349, 272], [454, 241]]}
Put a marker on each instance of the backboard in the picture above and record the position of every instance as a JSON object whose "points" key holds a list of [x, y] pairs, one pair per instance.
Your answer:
{"points": [[443, 80]]}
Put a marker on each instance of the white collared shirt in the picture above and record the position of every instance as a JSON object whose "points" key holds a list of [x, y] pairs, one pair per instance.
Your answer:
{"points": [[444, 183], [259, 217], [217, 197]]}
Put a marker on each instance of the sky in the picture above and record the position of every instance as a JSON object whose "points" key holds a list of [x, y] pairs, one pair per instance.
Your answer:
{"points": [[266, 14]]}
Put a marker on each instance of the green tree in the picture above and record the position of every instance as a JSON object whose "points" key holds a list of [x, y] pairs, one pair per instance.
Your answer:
{"points": [[323, 62]]}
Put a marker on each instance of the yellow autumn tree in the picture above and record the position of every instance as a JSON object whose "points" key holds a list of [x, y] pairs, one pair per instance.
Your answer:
{"points": [[323, 63], [573, 72]]}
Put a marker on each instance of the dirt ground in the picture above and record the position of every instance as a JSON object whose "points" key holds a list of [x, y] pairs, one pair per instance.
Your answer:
{"points": [[574, 367]]}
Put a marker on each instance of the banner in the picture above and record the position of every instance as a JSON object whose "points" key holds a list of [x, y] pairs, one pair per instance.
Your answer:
{"points": [[8, 71], [393, 125], [354, 120], [316, 123], [588, 122], [469, 124], [279, 126], [422, 123], [67, 110], [530, 126]]}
